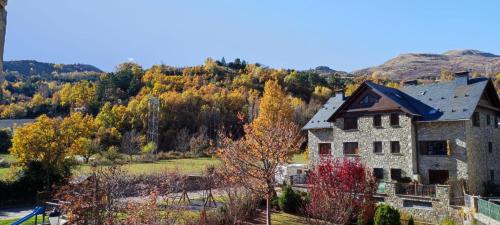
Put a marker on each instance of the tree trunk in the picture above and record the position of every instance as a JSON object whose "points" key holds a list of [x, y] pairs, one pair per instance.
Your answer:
{"points": [[268, 212]]}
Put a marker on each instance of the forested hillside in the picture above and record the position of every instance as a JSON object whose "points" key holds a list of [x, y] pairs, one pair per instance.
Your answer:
{"points": [[32, 67], [196, 102]]}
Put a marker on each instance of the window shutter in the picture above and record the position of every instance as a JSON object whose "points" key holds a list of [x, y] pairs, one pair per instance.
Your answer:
{"points": [[448, 146]]}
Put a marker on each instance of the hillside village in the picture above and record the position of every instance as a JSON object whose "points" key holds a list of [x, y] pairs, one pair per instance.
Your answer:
{"points": [[415, 140]]}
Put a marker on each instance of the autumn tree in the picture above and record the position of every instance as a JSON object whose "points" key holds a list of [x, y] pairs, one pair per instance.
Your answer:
{"points": [[273, 106], [340, 190], [50, 142], [269, 141]]}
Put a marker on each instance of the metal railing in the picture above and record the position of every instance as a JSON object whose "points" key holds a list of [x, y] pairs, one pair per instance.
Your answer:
{"points": [[416, 190], [489, 209]]}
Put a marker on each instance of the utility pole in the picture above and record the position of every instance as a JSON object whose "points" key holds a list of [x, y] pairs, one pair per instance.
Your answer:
{"points": [[153, 121]]}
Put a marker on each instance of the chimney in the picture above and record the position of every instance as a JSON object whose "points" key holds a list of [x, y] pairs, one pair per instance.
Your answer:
{"points": [[410, 83], [340, 94], [462, 78]]}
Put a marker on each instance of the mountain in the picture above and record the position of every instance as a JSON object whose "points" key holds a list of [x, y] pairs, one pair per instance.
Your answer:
{"points": [[326, 71], [413, 65], [32, 67]]}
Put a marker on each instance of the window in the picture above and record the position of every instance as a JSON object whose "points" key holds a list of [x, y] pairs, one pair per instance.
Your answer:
{"points": [[351, 148], [394, 119], [377, 147], [488, 120], [433, 148], [377, 121], [378, 173], [496, 122], [490, 147], [350, 123], [325, 149], [396, 174], [395, 147], [475, 119], [492, 176], [368, 100]]}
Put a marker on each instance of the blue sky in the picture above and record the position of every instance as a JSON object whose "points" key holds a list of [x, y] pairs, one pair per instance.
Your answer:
{"points": [[300, 34]]}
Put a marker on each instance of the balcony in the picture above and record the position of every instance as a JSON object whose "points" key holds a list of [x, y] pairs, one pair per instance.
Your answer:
{"points": [[419, 190]]}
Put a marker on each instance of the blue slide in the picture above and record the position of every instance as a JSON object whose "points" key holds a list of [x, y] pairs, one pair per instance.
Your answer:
{"points": [[37, 211]]}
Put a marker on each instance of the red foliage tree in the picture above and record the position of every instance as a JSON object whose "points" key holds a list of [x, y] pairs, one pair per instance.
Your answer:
{"points": [[340, 190]]}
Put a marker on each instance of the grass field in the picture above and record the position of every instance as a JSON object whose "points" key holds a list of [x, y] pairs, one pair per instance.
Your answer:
{"points": [[29, 222], [282, 218], [184, 166], [3, 171], [193, 166]]}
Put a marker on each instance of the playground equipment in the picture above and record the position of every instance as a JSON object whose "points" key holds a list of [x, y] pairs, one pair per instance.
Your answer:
{"points": [[37, 211], [55, 217]]}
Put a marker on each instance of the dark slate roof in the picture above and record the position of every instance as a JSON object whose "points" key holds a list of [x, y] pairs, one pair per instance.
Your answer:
{"points": [[319, 120], [396, 95], [433, 102], [446, 101]]}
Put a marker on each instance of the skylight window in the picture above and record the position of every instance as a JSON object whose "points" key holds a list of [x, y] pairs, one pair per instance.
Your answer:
{"points": [[422, 93]]}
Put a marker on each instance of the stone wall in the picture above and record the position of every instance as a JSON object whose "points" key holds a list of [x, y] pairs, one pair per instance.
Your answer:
{"points": [[456, 163], [366, 134], [481, 161], [315, 137], [438, 206]]}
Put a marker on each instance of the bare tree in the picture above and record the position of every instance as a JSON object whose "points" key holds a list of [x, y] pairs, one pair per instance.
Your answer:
{"points": [[200, 141], [95, 200], [131, 143], [254, 159], [182, 140]]}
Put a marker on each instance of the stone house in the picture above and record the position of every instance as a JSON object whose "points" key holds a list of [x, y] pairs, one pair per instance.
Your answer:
{"points": [[433, 134]]}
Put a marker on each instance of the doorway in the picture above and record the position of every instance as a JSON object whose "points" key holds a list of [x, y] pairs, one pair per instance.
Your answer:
{"points": [[438, 176]]}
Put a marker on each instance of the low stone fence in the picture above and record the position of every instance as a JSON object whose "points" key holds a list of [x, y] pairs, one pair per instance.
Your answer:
{"points": [[425, 202]]}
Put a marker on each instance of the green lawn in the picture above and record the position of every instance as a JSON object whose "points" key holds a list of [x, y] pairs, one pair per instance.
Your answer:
{"points": [[186, 166], [282, 218], [29, 222], [3, 171], [9, 158]]}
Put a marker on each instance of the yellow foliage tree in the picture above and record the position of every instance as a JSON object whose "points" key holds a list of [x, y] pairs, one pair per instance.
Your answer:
{"points": [[269, 142], [273, 106], [51, 140]]}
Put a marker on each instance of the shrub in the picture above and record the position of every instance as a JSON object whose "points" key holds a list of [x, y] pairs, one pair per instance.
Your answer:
{"points": [[112, 154], [289, 200], [386, 215], [340, 190], [448, 221]]}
